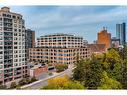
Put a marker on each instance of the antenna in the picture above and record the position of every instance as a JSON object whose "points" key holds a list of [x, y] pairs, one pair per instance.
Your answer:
{"points": [[103, 28]]}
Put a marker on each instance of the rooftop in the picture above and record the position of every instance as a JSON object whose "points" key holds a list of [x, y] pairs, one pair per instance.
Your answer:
{"points": [[60, 34], [97, 47], [7, 9]]}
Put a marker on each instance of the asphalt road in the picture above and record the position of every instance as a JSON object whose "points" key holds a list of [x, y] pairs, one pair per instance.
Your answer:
{"points": [[43, 82]]}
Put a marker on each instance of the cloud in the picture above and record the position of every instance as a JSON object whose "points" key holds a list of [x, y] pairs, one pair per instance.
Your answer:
{"points": [[80, 20], [69, 16]]}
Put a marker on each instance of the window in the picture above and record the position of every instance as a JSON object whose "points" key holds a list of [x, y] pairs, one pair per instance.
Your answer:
{"points": [[15, 34], [15, 38], [15, 51], [19, 34], [1, 66], [15, 43], [1, 62], [1, 43], [1, 24], [16, 64], [20, 60], [15, 30], [0, 28], [15, 47], [0, 72], [18, 17], [15, 25], [15, 56], [19, 47], [14, 18], [19, 51], [15, 60], [19, 43], [0, 38], [19, 27], [19, 55], [1, 52]]}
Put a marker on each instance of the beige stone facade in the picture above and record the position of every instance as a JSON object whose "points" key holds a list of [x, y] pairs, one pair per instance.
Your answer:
{"points": [[13, 64]]}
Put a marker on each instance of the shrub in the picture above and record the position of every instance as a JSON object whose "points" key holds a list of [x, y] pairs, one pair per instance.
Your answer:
{"points": [[18, 87], [22, 82], [13, 85], [50, 73], [61, 67], [28, 80], [33, 79]]}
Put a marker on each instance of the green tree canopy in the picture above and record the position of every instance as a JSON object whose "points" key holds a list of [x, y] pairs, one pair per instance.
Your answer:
{"points": [[109, 83]]}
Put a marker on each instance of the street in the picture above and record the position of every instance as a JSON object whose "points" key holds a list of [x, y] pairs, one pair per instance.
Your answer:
{"points": [[43, 82]]}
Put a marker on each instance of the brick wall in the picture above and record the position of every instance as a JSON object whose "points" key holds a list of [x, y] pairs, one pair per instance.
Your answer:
{"points": [[39, 71]]}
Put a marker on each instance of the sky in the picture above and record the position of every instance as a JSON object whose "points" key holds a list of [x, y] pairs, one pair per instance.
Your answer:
{"points": [[85, 21]]}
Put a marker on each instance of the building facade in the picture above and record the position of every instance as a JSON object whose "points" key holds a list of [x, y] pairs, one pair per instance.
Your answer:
{"points": [[104, 38], [121, 33], [97, 48], [38, 70], [60, 40], [13, 63], [59, 49], [29, 40], [58, 55], [115, 42]]}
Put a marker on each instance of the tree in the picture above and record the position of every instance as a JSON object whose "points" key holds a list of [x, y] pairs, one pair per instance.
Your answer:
{"points": [[13, 85], [106, 71], [109, 83], [78, 72], [123, 80], [63, 83], [112, 57], [113, 62], [89, 72], [93, 74]]}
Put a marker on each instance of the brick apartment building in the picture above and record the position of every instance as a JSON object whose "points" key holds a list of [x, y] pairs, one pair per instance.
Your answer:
{"points": [[59, 48]]}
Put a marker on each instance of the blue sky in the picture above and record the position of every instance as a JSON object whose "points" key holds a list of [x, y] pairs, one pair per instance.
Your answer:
{"points": [[85, 21]]}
